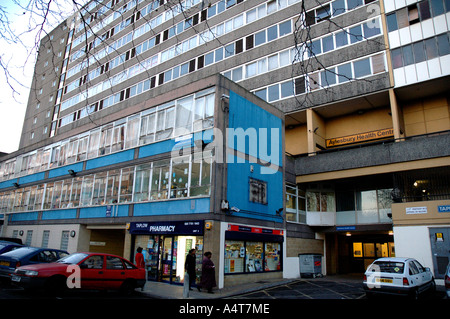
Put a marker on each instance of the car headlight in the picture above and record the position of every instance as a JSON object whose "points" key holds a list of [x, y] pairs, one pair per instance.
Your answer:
{"points": [[26, 272]]}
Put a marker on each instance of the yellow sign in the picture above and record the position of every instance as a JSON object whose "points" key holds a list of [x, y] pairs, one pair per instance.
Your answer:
{"points": [[358, 138]]}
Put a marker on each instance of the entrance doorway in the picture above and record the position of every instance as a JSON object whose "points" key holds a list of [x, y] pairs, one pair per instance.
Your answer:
{"points": [[165, 256], [353, 253]]}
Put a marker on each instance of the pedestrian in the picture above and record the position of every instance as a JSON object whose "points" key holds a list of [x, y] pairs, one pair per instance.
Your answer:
{"points": [[139, 258], [189, 266], [208, 273]]}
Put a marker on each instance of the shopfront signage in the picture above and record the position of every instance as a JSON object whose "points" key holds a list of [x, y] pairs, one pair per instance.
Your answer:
{"points": [[168, 228], [444, 208], [255, 230], [357, 138]]}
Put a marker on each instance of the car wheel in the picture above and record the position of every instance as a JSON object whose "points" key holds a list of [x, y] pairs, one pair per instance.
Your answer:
{"points": [[56, 285], [415, 294], [127, 287]]}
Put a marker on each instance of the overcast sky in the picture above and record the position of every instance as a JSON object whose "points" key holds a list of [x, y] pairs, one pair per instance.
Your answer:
{"points": [[21, 66]]}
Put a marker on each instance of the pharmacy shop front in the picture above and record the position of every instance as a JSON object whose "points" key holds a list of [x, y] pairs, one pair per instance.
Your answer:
{"points": [[165, 246]]}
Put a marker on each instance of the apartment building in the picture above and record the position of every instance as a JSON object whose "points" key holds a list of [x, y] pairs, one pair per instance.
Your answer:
{"points": [[356, 89]]}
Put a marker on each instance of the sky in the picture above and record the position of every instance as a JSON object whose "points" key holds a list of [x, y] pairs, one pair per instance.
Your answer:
{"points": [[21, 66]]}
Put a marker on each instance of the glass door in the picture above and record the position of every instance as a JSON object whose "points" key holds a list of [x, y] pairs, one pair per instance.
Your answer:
{"points": [[166, 259], [153, 257]]}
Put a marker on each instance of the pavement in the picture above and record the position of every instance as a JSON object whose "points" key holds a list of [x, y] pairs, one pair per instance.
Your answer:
{"points": [[327, 287], [161, 290]]}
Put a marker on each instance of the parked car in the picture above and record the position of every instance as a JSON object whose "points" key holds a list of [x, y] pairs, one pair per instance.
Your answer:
{"points": [[27, 255], [398, 276], [6, 246], [94, 270], [447, 280], [12, 239]]}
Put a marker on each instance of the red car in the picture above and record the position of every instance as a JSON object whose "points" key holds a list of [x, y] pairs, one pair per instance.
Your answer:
{"points": [[82, 270]]}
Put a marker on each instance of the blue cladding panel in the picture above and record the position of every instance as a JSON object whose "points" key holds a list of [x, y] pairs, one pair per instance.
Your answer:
{"points": [[101, 211], [23, 216], [263, 140], [59, 214], [61, 171], [111, 159], [172, 207]]}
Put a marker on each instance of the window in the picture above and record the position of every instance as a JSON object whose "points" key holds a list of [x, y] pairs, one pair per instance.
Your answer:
{"points": [[323, 13], [45, 238], [114, 263], [287, 89], [327, 43], [245, 256], [274, 93], [328, 77], [93, 262], [391, 22], [443, 44], [257, 191], [260, 37], [344, 72], [355, 34], [431, 48], [254, 257], [126, 185], [362, 68], [285, 28], [338, 7], [180, 177], [64, 240], [396, 56]]}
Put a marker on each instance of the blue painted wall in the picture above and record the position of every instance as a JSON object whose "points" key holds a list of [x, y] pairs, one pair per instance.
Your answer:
{"points": [[248, 116]]}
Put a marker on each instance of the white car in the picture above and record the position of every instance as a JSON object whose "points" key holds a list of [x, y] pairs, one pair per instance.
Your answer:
{"points": [[399, 276]]}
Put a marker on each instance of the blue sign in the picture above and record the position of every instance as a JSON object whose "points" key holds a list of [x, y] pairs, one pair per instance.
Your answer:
{"points": [[168, 228], [444, 208], [343, 228]]}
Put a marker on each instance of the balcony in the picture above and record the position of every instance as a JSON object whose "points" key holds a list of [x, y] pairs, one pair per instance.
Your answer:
{"points": [[375, 154]]}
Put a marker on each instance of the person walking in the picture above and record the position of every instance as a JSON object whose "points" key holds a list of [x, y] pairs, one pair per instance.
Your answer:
{"points": [[139, 258], [189, 266], [208, 273]]}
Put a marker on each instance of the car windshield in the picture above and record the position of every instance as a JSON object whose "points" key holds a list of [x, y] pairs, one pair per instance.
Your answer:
{"points": [[394, 267], [72, 258]]}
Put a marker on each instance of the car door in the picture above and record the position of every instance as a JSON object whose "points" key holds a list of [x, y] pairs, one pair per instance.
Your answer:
{"points": [[415, 278], [115, 272], [425, 275], [92, 272]]}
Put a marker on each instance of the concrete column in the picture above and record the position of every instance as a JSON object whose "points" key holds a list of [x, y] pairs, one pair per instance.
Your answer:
{"points": [[397, 117], [315, 131]]}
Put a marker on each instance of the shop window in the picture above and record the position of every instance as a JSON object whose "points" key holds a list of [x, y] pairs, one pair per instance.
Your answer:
{"points": [[251, 256], [234, 256], [253, 260]]}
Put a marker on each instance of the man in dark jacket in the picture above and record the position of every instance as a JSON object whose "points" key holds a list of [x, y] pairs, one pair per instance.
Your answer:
{"points": [[189, 266], [208, 273]]}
